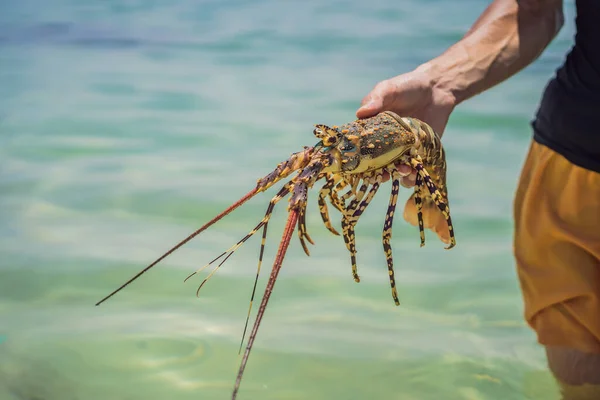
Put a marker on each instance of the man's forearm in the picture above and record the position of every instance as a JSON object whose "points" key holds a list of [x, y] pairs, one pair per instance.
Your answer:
{"points": [[507, 37]]}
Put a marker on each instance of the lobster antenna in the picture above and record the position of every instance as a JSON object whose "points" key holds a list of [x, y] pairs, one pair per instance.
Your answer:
{"points": [[285, 241], [280, 195], [235, 205]]}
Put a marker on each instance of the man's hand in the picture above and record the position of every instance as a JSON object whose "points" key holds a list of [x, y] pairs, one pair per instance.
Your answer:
{"points": [[507, 36], [410, 95]]}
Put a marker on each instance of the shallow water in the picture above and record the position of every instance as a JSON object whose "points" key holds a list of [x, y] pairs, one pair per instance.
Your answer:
{"points": [[124, 125]]}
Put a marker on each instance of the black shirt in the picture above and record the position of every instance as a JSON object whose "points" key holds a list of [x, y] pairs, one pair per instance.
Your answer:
{"points": [[568, 119]]}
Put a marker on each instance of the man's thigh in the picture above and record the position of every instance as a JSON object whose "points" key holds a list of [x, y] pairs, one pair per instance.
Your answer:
{"points": [[557, 251]]}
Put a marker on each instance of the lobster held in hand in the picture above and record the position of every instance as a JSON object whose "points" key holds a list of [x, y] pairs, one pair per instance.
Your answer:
{"points": [[357, 156], [364, 150]]}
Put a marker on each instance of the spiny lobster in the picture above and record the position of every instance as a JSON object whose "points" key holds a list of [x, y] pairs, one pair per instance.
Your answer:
{"points": [[365, 152]]}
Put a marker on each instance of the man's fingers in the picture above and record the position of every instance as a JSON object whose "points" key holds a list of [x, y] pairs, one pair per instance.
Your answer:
{"points": [[409, 175], [404, 170], [385, 176], [409, 180]]}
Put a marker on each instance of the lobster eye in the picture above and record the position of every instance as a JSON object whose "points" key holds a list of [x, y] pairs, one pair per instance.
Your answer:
{"points": [[329, 141], [349, 147]]}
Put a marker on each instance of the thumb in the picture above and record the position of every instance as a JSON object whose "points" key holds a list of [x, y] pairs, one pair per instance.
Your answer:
{"points": [[371, 106], [372, 103]]}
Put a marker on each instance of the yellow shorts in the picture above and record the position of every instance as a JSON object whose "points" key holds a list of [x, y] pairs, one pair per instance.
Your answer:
{"points": [[557, 249]]}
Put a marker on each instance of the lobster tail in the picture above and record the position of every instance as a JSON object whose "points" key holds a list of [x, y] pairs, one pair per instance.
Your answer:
{"points": [[431, 216]]}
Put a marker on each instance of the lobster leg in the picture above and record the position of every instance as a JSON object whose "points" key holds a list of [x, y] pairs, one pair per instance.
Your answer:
{"points": [[285, 241], [349, 222], [437, 197], [352, 191], [323, 193], [353, 206], [419, 206], [346, 230], [302, 233], [274, 201], [334, 198], [387, 231]]}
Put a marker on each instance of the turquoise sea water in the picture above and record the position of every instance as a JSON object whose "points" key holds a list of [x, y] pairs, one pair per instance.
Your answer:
{"points": [[125, 125]]}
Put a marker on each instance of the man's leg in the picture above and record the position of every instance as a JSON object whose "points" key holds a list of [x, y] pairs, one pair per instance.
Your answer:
{"points": [[577, 372]]}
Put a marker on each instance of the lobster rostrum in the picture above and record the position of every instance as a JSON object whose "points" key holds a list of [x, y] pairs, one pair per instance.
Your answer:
{"points": [[357, 156]]}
